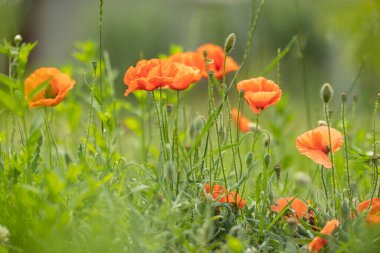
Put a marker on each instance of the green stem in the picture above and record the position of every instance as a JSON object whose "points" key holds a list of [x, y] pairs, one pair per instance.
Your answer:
{"points": [[346, 153], [331, 155], [159, 125]]}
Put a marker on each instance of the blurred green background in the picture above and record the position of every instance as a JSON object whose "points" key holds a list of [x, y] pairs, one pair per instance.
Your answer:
{"points": [[339, 40]]}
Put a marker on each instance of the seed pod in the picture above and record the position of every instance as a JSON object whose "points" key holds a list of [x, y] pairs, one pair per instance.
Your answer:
{"points": [[169, 108], [230, 43], [94, 65], [327, 93], [277, 170]]}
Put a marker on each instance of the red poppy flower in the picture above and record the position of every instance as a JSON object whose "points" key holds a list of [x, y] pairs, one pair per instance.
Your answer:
{"points": [[216, 54], [318, 243], [298, 206], [191, 59], [235, 200], [244, 124], [152, 74], [314, 144], [57, 86], [217, 192], [373, 216], [260, 93]]}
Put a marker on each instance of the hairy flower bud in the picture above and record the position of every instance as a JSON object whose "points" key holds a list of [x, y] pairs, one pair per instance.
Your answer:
{"points": [[17, 39], [267, 159], [249, 159], [322, 123], [327, 93], [344, 97], [230, 43]]}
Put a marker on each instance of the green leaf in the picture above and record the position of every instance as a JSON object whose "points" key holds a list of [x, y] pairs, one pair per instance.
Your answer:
{"points": [[7, 81], [7, 101]]}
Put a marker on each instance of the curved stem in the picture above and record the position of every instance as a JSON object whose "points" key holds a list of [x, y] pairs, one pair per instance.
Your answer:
{"points": [[346, 153]]}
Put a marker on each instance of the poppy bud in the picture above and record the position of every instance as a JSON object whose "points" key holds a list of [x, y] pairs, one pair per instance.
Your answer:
{"points": [[17, 39], [355, 98], [267, 160], [169, 108], [277, 170], [322, 123], [205, 54], [196, 127], [94, 65], [249, 159], [4, 235], [327, 93], [292, 225], [169, 170], [344, 97], [230, 43], [345, 210], [302, 179]]}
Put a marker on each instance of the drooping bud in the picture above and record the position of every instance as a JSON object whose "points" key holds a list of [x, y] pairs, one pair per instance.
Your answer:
{"points": [[205, 54], [230, 43], [327, 93]]}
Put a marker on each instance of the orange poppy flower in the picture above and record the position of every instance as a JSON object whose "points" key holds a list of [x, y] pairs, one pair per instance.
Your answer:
{"points": [[318, 242], [152, 74], [216, 54], [235, 200], [260, 93], [314, 144], [56, 89], [184, 76], [299, 207], [191, 59], [244, 124], [373, 216], [217, 192]]}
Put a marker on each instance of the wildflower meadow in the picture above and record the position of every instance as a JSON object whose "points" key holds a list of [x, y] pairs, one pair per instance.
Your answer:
{"points": [[189, 150]]}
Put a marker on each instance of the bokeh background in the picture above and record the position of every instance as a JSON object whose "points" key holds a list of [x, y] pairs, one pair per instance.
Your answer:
{"points": [[339, 41]]}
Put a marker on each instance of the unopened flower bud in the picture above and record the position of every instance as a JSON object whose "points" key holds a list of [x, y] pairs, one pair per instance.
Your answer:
{"points": [[277, 170], [169, 170], [302, 179], [292, 225], [230, 43], [94, 66], [17, 39], [345, 210], [355, 98], [326, 93], [169, 108], [322, 123], [4, 235], [249, 160], [204, 53], [267, 160], [344, 97]]}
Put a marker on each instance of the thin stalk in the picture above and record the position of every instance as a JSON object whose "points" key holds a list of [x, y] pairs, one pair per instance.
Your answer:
{"points": [[48, 135], [346, 151], [91, 87], [176, 142], [331, 154], [100, 60], [324, 186], [159, 124], [375, 158], [238, 133]]}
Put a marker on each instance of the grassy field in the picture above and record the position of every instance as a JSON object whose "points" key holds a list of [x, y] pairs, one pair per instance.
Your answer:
{"points": [[195, 155]]}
